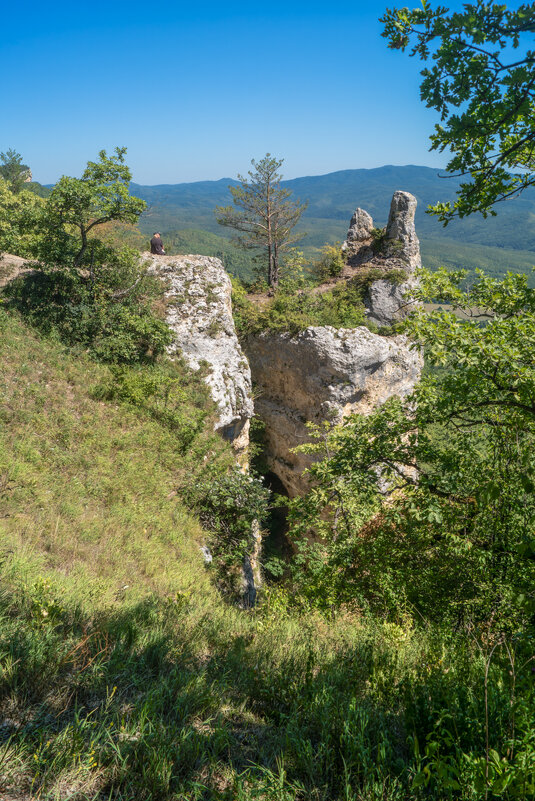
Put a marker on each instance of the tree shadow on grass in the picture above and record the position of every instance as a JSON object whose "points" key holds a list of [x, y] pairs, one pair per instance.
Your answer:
{"points": [[159, 718], [151, 703]]}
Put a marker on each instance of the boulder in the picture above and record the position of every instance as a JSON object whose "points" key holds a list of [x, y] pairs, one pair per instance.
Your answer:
{"points": [[396, 252], [360, 227], [401, 236]]}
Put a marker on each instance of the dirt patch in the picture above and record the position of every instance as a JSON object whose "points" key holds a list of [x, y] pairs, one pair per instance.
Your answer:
{"points": [[11, 267]]}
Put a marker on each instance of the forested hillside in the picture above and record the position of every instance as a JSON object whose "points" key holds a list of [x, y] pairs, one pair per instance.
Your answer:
{"points": [[470, 243]]}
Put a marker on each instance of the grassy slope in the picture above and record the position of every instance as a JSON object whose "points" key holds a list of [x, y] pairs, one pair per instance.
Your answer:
{"points": [[124, 676], [88, 485]]}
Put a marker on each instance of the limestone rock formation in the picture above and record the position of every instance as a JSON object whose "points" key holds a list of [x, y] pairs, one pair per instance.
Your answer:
{"points": [[400, 229], [322, 373], [396, 251], [199, 312], [360, 227], [11, 267]]}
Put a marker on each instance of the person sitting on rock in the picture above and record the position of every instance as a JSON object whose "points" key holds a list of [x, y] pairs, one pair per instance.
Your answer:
{"points": [[156, 244]]}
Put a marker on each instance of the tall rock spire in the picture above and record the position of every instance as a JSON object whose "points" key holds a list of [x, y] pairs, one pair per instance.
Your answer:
{"points": [[400, 229]]}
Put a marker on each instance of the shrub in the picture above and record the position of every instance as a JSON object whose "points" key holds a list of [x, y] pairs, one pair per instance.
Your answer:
{"points": [[295, 310], [232, 507], [19, 215], [166, 391], [86, 312], [331, 262]]}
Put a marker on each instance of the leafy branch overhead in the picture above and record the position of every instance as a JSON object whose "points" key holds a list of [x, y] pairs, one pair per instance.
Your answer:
{"points": [[263, 215], [481, 79]]}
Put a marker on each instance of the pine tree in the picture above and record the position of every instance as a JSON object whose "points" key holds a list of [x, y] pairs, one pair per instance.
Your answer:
{"points": [[263, 214]]}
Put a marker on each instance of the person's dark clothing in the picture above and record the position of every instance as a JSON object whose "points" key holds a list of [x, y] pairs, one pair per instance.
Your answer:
{"points": [[156, 246]]}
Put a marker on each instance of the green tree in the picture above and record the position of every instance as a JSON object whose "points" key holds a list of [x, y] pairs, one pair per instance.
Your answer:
{"points": [[78, 205], [264, 215], [85, 288], [13, 170], [483, 91], [430, 501], [19, 216]]}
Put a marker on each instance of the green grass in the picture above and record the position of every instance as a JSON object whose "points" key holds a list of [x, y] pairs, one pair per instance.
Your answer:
{"points": [[123, 673], [94, 485]]}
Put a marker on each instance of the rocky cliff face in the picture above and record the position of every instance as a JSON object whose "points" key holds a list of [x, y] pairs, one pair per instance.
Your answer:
{"points": [[395, 251], [199, 312], [320, 374], [325, 373]]}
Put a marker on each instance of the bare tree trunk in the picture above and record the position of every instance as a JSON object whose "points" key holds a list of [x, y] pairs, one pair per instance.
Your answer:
{"points": [[275, 267], [251, 573]]}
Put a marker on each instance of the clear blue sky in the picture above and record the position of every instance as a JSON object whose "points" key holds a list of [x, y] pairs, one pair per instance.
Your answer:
{"points": [[195, 91]]}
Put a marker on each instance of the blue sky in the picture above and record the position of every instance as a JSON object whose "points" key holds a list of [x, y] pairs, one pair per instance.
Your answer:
{"points": [[195, 92]]}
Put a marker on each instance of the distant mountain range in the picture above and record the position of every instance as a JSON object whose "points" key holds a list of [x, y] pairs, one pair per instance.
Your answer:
{"points": [[495, 244]]}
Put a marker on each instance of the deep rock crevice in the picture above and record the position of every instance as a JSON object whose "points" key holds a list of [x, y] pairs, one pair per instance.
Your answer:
{"points": [[320, 374]]}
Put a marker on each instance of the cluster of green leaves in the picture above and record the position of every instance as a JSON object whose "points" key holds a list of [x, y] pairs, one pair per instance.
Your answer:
{"points": [[485, 100], [330, 263], [232, 507], [13, 171], [77, 206], [429, 501], [19, 215]]}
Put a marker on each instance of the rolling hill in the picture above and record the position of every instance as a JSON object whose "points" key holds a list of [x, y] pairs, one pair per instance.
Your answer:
{"points": [[506, 241]]}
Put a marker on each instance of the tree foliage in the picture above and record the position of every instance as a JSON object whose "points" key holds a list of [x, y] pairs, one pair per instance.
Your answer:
{"points": [[483, 90], [430, 501], [19, 216], [78, 205], [13, 170], [264, 215], [85, 288]]}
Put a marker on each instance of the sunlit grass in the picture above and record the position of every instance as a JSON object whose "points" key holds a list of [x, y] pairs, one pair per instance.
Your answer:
{"points": [[93, 487]]}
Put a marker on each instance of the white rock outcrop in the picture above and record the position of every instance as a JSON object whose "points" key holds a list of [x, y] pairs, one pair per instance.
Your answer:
{"points": [[400, 229], [199, 312], [397, 251], [322, 373]]}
